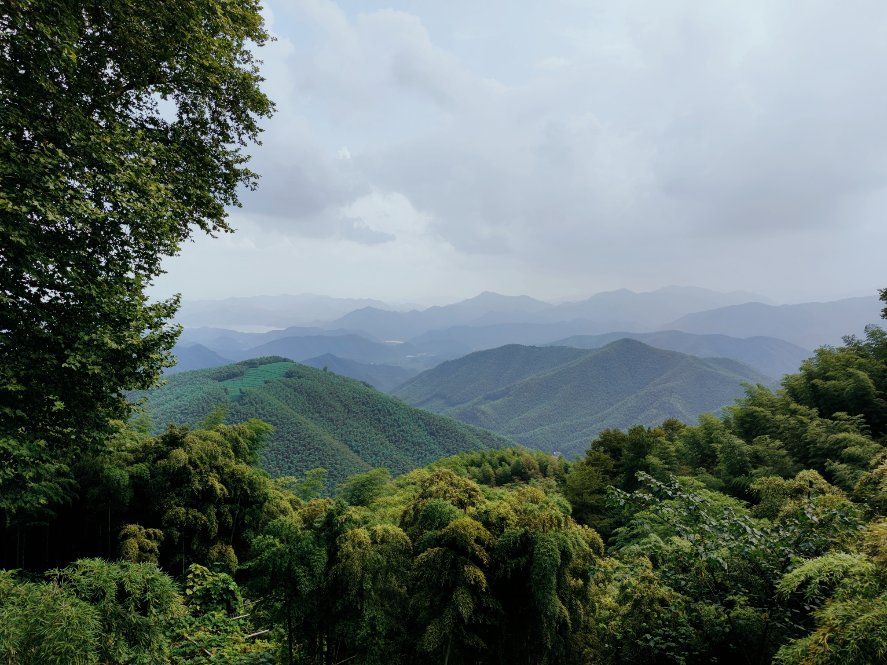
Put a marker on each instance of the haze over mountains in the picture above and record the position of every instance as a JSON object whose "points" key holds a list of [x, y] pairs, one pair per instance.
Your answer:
{"points": [[773, 339], [549, 376], [613, 308], [460, 376], [807, 324], [258, 312]]}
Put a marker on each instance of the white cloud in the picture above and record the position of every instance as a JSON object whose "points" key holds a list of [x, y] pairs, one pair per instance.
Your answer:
{"points": [[578, 147]]}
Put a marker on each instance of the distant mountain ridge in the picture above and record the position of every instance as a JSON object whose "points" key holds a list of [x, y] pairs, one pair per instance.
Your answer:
{"points": [[648, 308], [770, 356], [808, 324], [420, 339], [195, 356], [487, 307], [278, 311], [320, 419], [635, 310], [558, 398]]}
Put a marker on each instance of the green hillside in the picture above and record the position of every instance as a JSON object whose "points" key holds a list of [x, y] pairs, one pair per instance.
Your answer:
{"points": [[457, 382], [558, 399], [320, 419]]}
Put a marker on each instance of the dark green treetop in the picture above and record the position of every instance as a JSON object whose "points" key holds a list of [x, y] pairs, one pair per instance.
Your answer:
{"points": [[123, 128]]}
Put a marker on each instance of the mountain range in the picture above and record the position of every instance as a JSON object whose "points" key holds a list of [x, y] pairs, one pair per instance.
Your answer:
{"points": [[486, 308], [611, 310], [649, 308], [194, 356], [263, 312], [808, 324], [559, 398], [772, 339]]}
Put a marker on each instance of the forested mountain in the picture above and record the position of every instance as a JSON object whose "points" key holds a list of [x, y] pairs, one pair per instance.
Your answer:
{"points": [[770, 356], [556, 398], [320, 419], [457, 382], [807, 324], [379, 376], [755, 538]]}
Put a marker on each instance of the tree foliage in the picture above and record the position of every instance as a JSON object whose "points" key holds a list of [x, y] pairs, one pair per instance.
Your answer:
{"points": [[123, 130]]}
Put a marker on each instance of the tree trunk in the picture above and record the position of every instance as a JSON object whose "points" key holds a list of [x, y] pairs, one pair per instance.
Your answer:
{"points": [[447, 654], [289, 630]]}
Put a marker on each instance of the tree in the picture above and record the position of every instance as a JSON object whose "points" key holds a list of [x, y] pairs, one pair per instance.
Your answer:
{"points": [[849, 592], [136, 605], [291, 563], [542, 564], [43, 623], [370, 576], [451, 592], [217, 628], [362, 489], [123, 130], [847, 379], [201, 488]]}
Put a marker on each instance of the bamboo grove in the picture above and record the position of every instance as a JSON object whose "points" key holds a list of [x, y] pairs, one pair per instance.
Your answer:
{"points": [[754, 537]]}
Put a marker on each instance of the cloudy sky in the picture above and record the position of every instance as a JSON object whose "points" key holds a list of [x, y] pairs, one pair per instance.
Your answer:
{"points": [[425, 151]]}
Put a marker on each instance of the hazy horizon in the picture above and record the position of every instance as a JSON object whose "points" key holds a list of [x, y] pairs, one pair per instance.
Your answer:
{"points": [[444, 300], [423, 153]]}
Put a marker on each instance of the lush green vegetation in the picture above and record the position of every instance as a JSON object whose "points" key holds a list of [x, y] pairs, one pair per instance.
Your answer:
{"points": [[558, 398], [755, 536], [320, 419], [99, 184], [759, 536]]}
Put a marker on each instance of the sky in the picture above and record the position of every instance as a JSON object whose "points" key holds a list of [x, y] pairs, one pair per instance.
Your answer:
{"points": [[424, 151]]}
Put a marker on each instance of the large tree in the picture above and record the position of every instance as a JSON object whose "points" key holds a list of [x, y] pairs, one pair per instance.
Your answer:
{"points": [[123, 126]]}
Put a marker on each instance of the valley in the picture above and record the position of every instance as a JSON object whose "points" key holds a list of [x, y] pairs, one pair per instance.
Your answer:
{"points": [[546, 376]]}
